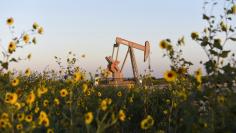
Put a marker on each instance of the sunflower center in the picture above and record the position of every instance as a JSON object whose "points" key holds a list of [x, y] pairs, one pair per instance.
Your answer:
{"points": [[170, 75]]}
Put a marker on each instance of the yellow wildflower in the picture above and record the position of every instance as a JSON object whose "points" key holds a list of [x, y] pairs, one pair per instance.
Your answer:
{"points": [[29, 56], [77, 76], [221, 99], [26, 38], [35, 25], [45, 103], [40, 30], [18, 105], [5, 116], [10, 21], [198, 75], [36, 110], [147, 122], [50, 130], [165, 112], [64, 93], [34, 41], [28, 118], [88, 118], [121, 115], [45, 122], [103, 105], [19, 126], [15, 82], [30, 98], [119, 93], [43, 115], [164, 44], [194, 35], [41, 91], [27, 72], [233, 9], [56, 101], [11, 98], [99, 94], [12, 47], [85, 87], [170, 76], [21, 117], [109, 101]]}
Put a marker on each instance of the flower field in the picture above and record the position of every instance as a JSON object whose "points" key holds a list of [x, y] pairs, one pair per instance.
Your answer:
{"points": [[67, 100]]}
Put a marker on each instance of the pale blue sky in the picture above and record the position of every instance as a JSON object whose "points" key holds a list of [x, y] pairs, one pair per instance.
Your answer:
{"points": [[90, 27]]}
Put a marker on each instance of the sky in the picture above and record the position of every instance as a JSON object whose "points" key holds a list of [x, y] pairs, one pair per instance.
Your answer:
{"points": [[90, 27]]}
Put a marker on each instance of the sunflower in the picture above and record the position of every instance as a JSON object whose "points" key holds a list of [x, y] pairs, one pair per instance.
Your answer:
{"points": [[29, 56], [30, 98], [77, 76], [147, 122], [3, 123], [43, 115], [10, 21], [56, 101], [198, 75], [220, 99], [194, 35], [109, 101], [131, 100], [26, 38], [27, 72], [15, 82], [121, 115], [19, 126], [45, 122], [85, 87], [165, 112], [35, 25], [34, 41], [130, 86], [28, 118], [45, 103], [41, 91], [164, 44], [119, 93], [170, 76], [99, 94], [4, 115], [103, 105], [88, 118], [21, 117], [36, 110], [40, 30], [17, 105], [12, 47], [63, 92], [50, 130], [233, 8], [181, 41], [11, 98]]}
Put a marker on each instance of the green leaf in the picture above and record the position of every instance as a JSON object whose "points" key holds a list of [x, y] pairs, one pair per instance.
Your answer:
{"points": [[209, 65], [217, 44], [232, 38], [5, 65], [213, 52], [224, 54], [205, 17], [13, 60]]}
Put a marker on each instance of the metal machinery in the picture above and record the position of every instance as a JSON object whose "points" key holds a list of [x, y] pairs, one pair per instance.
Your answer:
{"points": [[113, 62]]}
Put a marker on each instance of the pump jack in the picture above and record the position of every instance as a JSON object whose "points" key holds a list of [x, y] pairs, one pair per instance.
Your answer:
{"points": [[117, 74]]}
